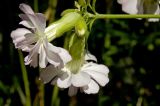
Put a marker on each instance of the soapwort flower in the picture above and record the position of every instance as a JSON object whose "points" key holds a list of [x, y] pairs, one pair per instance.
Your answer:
{"points": [[141, 7], [33, 39], [87, 79]]}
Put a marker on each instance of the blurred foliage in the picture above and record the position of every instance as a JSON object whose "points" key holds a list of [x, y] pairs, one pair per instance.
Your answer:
{"points": [[130, 48]]}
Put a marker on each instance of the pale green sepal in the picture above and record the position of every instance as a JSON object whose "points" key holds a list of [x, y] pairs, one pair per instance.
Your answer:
{"points": [[66, 23], [77, 5], [68, 11], [76, 50], [76, 46]]}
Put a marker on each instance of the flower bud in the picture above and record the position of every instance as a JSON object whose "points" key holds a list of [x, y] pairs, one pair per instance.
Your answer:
{"points": [[81, 27]]}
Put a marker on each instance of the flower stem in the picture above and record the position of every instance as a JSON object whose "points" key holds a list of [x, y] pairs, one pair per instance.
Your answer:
{"points": [[122, 16], [41, 94], [55, 99], [73, 101], [36, 5], [25, 79]]}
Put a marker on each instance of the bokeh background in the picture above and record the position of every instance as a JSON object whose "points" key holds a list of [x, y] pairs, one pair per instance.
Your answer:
{"points": [[129, 47]]}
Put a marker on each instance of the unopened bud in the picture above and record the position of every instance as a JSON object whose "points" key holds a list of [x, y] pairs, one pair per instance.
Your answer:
{"points": [[81, 27]]}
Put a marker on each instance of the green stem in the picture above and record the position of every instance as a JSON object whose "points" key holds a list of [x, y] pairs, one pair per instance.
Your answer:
{"points": [[53, 5], [41, 93], [94, 6], [122, 16], [73, 101], [140, 101], [19, 90], [25, 79], [36, 5], [39, 98], [55, 96]]}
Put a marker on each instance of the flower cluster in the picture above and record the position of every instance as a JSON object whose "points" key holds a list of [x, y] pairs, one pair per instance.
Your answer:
{"points": [[141, 7], [86, 79], [68, 68]]}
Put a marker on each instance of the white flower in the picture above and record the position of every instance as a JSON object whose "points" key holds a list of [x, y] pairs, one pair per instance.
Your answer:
{"points": [[141, 7], [87, 79], [32, 39], [90, 57], [129, 6]]}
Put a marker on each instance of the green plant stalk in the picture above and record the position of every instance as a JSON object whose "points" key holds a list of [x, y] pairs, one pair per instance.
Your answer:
{"points": [[41, 93], [55, 96], [94, 6], [25, 79], [122, 16], [19, 90], [73, 101], [51, 10], [140, 101], [36, 5]]}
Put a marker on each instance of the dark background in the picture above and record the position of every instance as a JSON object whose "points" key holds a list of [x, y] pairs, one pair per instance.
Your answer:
{"points": [[129, 47]]}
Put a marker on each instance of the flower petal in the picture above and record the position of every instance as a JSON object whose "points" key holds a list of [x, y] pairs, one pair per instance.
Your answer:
{"points": [[53, 48], [156, 12], [42, 56], [30, 38], [26, 8], [27, 60], [80, 79], [95, 67], [32, 58], [25, 17], [100, 78], [89, 56], [41, 19], [48, 73], [64, 83], [54, 59], [18, 34], [27, 24], [40, 26], [129, 6], [92, 88], [33, 21], [27, 48], [65, 56], [54, 81], [52, 55], [72, 91], [122, 1], [98, 73], [23, 38]]}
